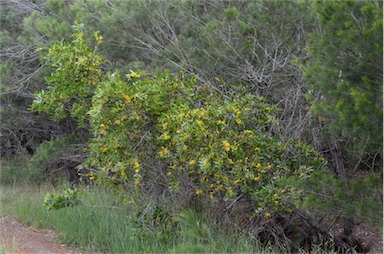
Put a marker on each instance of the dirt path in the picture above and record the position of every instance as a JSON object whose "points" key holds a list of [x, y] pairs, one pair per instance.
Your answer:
{"points": [[19, 238]]}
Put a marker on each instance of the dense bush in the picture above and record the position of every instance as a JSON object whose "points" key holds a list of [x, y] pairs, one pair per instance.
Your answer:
{"points": [[150, 126], [124, 116], [227, 147], [218, 146], [53, 161]]}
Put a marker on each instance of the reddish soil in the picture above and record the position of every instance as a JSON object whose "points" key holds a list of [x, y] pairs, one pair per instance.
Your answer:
{"points": [[20, 238]]}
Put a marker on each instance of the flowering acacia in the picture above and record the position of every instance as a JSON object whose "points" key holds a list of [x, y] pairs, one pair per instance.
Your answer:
{"points": [[146, 126], [124, 114], [225, 149], [222, 147], [76, 70]]}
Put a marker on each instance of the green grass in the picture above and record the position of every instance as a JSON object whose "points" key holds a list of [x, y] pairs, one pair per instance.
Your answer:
{"points": [[132, 223], [97, 225]]}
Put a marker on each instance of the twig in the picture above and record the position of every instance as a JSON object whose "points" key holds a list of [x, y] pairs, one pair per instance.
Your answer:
{"points": [[233, 202]]}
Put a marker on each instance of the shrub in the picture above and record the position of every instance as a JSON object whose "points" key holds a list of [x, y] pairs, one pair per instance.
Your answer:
{"points": [[52, 160], [220, 147], [68, 199], [149, 127], [363, 201], [124, 119], [226, 148]]}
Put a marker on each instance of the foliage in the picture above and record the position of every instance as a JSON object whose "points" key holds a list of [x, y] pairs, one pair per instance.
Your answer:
{"points": [[144, 126], [237, 41], [76, 71], [345, 74], [192, 132], [222, 145], [363, 201], [44, 165], [21, 74], [69, 198], [124, 117], [227, 147]]}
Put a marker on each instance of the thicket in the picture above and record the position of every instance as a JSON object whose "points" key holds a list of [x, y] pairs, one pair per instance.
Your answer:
{"points": [[219, 146], [255, 95]]}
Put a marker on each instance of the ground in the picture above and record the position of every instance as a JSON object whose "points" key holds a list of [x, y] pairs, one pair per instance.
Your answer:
{"points": [[369, 236], [19, 238]]}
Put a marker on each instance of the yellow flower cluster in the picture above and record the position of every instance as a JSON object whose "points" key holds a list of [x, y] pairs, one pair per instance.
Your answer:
{"points": [[136, 166], [222, 122], [91, 176], [102, 129], [133, 75], [164, 152], [200, 123], [127, 98], [123, 175], [98, 38], [267, 215], [226, 145], [165, 136], [276, 199]]}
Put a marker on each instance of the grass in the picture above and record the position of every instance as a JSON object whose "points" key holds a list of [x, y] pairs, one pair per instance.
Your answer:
{"points": [[98, 225], [4, 249]]}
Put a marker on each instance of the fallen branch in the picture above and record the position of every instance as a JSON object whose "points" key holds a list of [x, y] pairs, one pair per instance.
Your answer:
{"points": [[341, 245]]}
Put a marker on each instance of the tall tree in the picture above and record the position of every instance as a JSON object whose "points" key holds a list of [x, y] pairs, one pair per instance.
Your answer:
{"points": [[345, 74]]}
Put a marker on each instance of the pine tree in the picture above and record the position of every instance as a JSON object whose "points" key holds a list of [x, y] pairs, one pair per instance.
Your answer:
{"points": [[345, 75]]}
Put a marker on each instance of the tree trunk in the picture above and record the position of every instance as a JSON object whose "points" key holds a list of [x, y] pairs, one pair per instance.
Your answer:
{"points": [[338, 163]]}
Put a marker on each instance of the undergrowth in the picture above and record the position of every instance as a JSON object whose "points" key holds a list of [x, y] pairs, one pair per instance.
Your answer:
{"points": [[128, 221], [99, 225]]}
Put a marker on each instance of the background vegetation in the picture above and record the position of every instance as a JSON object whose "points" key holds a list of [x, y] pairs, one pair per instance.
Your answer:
{"points": [[259, 116]]}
